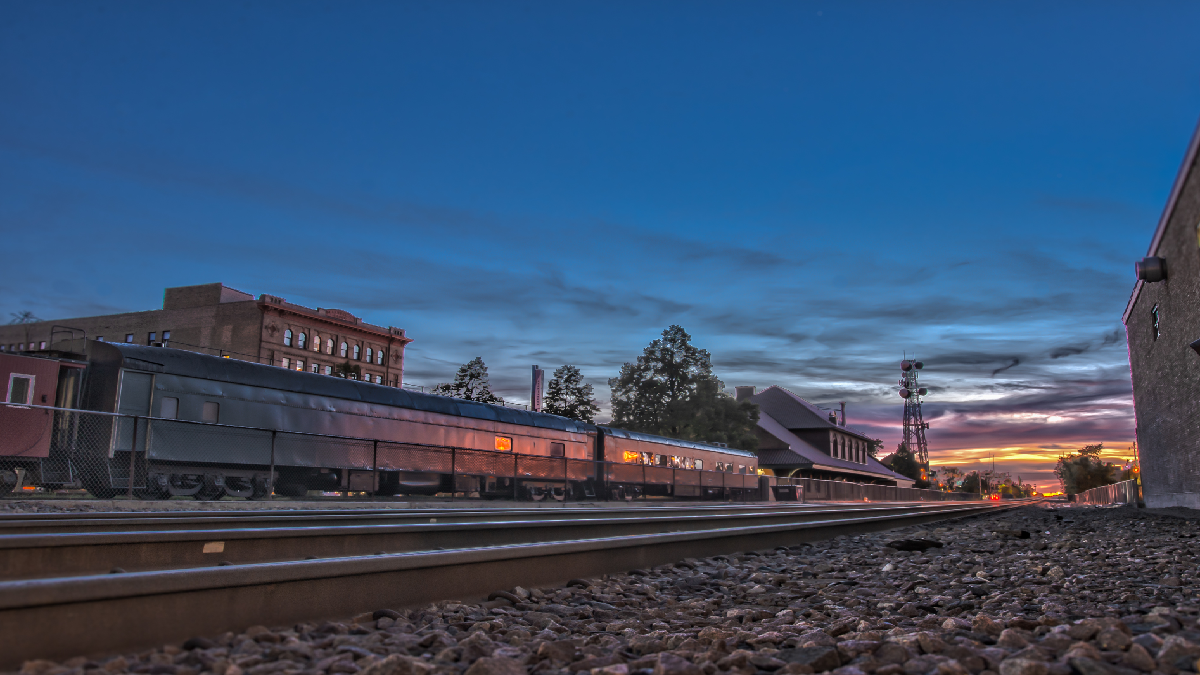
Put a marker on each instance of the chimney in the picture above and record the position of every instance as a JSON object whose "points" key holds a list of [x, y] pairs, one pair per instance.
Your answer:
{"points": [[843, 413], [744, 393]]}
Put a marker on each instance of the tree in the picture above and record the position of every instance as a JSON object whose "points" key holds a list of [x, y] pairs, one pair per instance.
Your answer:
{"points": [[569, 396], [953, 475], [671, 391], [974, 483], [905, 463], [470, 383], [1084, 471]]}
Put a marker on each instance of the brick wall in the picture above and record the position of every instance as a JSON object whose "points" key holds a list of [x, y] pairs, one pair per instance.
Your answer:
{"points": [[1165, 371]]}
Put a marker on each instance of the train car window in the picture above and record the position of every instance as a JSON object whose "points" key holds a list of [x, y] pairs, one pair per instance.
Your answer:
{"points": [[42, 344], [20, 389], [301, 341], [342, 351], [741, 468], [379, 358], [558, 449], [129, 337], [287, 363], [503, 444], [211, 413], [99, 338], [689, 463], [630, 457], [356, 352], [287, 338], [328, 345], [699, 465], [648, 458], [170, 408]]}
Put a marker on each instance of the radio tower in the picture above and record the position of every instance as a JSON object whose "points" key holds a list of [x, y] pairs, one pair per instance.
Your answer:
{"points": [[914, 423]]}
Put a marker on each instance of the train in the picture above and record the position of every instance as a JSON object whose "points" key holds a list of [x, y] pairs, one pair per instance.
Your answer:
{"points": [[158, 422]]}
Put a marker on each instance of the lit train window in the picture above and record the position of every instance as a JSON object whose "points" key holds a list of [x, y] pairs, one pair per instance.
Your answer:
{"points": [[503, 444], [630, 457], [287, 338], [689, 463], [558, 449], [648, 458], [741, 468]]}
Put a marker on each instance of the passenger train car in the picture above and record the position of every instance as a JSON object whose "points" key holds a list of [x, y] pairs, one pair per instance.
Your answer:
{"points": [[181, 423]]}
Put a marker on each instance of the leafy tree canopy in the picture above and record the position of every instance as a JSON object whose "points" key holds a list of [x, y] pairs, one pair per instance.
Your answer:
{"points": [[1084, 471], [905, 463], [671, 391], [470, 383], [569, 396]]}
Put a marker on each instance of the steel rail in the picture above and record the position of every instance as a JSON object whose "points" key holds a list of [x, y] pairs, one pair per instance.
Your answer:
{"points": [[179, 520], [59, 618], [48, 555]]}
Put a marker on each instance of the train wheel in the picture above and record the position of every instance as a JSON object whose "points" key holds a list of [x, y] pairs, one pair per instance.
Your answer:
{"points": [[213, 489]]}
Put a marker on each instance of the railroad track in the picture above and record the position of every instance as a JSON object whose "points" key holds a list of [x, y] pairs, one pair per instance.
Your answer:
{"points": [[70, 615]]}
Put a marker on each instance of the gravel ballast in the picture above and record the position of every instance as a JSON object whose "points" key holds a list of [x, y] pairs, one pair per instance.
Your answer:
{"points": [[1034, 591]]}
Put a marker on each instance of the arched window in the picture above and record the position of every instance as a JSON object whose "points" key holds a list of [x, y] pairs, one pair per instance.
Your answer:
{"points": [[328, 346], [370, 355], [342, 351], [379, 358], [287, 338], [316, 342], [357, 351], [301, 340]]}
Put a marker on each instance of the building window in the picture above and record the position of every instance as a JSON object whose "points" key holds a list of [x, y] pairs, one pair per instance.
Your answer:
{"points": [[378, 379], [20, 389], [356, 352], [328, 370], [129, 337], [42, 344], [211, 413], [166, 337], [287, 338], [370, 355], [170, 408], [1154, 325], [316, 368], [152, 338], [316, 343], [301, 340], [287, 363], [328, 345], [342, 351], [379, 358], [299, 365], [21, 347]]}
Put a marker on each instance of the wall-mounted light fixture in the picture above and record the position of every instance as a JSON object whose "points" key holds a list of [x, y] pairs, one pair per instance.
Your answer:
{"points": [[1151, 269]]}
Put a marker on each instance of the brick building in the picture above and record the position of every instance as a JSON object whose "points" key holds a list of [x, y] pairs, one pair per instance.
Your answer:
{"points": [[214, 319], [1162, 326], [795, 438]]}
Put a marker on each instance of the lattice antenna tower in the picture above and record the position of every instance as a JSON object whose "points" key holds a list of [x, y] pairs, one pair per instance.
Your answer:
{"points": [[914, 423]]}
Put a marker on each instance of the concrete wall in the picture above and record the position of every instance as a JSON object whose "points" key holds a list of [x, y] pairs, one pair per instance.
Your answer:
{"points": [[1165, 371]]}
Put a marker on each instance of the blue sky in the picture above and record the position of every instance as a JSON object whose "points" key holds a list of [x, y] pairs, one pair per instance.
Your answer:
{"points": [[810, 189]]}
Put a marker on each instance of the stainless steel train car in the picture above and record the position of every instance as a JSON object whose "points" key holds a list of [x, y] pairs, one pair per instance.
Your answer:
{"points": [[198, 425]]}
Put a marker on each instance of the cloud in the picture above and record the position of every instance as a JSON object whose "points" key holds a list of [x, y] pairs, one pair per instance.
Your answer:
{"points": [[1013, 364]]}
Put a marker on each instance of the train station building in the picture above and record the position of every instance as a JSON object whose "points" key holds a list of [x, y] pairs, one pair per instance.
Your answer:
{"points": [[796, 438], [221, 321], [1162, 327]]}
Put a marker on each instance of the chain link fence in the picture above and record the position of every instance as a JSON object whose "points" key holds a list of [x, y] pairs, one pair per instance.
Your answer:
{"points": [[45, 450], [1126, 492]]}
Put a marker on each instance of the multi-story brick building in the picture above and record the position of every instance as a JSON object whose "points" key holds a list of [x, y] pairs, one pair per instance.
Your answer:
{"points": [[221, 321], [1162, 327]]}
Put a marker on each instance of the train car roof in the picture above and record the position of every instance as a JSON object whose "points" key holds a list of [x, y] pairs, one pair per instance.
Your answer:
{"points": [[651, 438], [203, 366]]}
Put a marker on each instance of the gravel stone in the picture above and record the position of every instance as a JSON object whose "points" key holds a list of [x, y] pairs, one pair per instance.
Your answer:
{"points": [[1090, 593]]}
